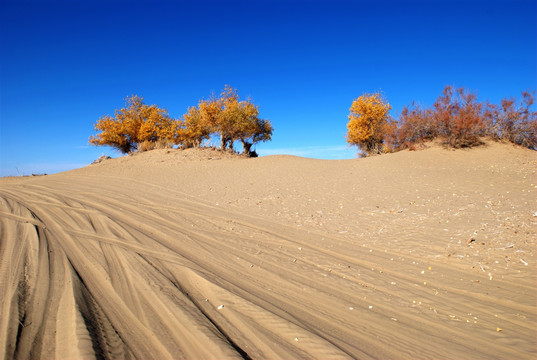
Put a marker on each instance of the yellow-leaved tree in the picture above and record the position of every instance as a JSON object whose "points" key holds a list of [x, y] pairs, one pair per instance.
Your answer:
{"points": [[134, 124], [145, 127], [193, 130], [368, 123], [227, 117], [248, 127]]}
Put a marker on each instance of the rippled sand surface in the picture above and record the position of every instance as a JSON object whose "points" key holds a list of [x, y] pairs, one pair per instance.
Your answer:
{"points": [[197, 254]]}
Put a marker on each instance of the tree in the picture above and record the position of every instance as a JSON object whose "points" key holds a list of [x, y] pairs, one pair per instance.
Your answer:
{"points": [[156, 125], [218, 115], [249, 128], [229, 118], [113, 133], [192, 131], [133, 124], [221, 116], [145, 127], [368, 120]]}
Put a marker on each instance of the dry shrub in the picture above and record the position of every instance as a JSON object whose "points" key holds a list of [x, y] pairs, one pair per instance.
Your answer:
{"points": [[148, 145], [459, 120], [101, 159], [163, 144], [513, 122], [416, 125]]}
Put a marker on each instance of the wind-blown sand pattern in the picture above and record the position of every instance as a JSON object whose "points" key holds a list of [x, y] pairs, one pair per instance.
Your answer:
{"points": [[199, 255]]}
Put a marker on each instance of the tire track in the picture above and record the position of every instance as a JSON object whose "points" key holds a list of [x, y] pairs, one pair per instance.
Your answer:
{"points": [[131, 280]]}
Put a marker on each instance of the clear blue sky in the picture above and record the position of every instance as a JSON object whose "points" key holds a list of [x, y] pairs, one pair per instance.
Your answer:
{"points": [[64, 64]]}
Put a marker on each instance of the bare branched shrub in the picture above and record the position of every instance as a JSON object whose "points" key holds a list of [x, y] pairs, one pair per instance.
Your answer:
{"points": [[146, 145], [459, 120], [163, 144], [513, 122], [416, 125]]}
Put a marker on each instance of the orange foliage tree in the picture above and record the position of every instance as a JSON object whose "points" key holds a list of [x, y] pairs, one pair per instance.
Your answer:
{"points": [[227, 117], [368, 123], [240, 120], [192, 131], [248, 128], [134, 124]]}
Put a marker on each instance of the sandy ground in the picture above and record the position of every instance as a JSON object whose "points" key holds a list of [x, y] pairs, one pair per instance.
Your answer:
{"points": [[199, 255]]}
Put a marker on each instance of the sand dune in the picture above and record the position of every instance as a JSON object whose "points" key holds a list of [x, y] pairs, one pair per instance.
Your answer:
{"points": [[200, 255]]}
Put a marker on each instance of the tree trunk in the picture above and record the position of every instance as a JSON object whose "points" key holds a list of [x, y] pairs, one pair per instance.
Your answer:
{"points": [[247, 147]]}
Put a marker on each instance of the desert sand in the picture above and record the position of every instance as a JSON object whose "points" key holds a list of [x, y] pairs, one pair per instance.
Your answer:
{"points": [[197, 254]]}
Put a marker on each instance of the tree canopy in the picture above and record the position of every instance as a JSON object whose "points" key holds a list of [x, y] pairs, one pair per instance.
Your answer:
{"points": [[229, 118], [132, 125], [367, 124], [140, 126]]}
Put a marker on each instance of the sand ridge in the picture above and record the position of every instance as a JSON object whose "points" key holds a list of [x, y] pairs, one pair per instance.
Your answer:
{"points": [[198, 254]]}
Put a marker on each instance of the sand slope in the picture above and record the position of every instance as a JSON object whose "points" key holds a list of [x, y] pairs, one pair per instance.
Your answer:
{"points": [[199, 255]]}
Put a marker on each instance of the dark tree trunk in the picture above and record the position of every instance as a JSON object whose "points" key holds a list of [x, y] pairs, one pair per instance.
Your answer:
{"points": [[247, 147]]}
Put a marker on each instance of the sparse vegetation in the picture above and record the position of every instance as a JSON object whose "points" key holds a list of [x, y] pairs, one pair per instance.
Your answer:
{"points": [[514, 122], [101, 159], [456, 118], [143, 127]]}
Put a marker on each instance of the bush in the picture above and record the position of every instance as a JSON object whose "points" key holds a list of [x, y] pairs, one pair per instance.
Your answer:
{"points": [[459, 120], [516, 123], [416, 125], [148, 145]]}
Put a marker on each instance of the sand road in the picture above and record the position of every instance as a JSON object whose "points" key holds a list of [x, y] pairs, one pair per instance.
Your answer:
{"points": [[166, 255]]}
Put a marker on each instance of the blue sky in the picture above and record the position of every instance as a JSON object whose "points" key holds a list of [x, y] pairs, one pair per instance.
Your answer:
{"points": [[64, 64]]}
